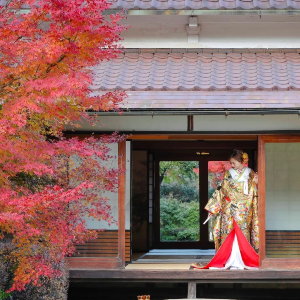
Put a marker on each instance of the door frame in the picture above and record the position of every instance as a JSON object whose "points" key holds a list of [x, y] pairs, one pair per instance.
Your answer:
{"points": [[157, 243], [203, 194]]}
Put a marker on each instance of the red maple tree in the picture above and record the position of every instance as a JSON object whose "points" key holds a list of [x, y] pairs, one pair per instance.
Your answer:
{"points": [[216, 172], [50, 183]]}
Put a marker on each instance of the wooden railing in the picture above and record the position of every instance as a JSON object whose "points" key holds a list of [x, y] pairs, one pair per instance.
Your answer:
{"points": [[106, 245], [283, 244]]}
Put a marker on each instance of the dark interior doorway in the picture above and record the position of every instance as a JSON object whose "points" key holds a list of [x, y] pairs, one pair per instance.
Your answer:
{"points": [[171, 183]]}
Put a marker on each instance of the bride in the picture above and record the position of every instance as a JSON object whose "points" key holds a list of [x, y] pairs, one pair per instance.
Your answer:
{"points": [[234, 209]]}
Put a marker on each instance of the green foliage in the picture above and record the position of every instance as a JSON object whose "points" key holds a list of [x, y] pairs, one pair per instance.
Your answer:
{"points": [[3, 295], [179, 201], [179, 221], [179, 171], [179, 180], [184, 193]]}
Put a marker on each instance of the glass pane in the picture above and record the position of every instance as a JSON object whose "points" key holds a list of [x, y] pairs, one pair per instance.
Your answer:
{"points": [[179, 201], [282, 200], [216, 171]]}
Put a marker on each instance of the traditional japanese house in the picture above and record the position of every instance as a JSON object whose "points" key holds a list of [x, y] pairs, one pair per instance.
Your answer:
{"points": [[202, 78]]}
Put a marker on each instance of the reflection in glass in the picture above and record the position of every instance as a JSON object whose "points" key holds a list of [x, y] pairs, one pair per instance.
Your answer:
{"points": [[216, 171], [179, 201], [282, 200]]}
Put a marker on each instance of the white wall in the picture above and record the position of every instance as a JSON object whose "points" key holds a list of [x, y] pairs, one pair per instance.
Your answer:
{"points": [[246, 123], [283, 186], [113, 197], [138, 123], [201, 123], [216, 32]]}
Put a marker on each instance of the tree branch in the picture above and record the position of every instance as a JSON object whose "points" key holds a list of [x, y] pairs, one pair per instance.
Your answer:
{"points": [[56, 63]]}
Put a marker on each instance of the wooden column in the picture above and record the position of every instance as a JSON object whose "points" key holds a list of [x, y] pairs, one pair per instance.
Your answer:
{"points": [[191, 290], [121, 202], [190, 123], [261, 199]]}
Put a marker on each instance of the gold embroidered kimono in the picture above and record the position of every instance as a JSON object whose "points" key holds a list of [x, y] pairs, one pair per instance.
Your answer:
{"points": [[236, 199]]}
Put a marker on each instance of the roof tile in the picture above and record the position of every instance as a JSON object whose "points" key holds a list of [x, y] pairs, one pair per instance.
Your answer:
{"points": [[196, 72]]}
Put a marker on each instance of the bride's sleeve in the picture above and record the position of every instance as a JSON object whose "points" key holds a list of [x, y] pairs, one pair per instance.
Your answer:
{"points": [[215, 202], [255, 224]]}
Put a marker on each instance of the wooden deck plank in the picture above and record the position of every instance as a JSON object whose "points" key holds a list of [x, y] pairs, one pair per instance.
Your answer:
{"points": [[201, 276]]}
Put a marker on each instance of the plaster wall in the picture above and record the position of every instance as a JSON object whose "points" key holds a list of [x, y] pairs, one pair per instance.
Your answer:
{"points": [[163, 31], [282, 186], [246, 123], [205, 123], [112, 197], [136, 123]]}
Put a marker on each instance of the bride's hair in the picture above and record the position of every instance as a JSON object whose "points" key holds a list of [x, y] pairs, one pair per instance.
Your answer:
{"points": [[237, 155]]}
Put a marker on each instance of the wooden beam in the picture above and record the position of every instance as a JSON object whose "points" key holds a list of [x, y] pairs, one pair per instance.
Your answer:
{"points": [[281, 263], [86, 263], [199, 276], [190, 123], [192, 290], [261, 199], [293, 138], [121, 202], [193, 145], [209, 137]]}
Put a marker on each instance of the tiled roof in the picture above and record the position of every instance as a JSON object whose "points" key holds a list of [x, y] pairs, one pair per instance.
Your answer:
{"points": [[199, 72], [205, 4]]}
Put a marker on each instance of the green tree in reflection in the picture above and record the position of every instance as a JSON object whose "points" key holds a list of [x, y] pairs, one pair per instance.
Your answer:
{"points": [[179, 200], [179, 221]]}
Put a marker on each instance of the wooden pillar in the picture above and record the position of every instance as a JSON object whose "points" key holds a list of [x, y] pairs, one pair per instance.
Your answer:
{"points": [[121, 202], [190, 123], [261, 199], [192, 290]]}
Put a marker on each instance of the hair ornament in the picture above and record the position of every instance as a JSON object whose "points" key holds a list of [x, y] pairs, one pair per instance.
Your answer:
{"points": [[245, 157]]}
